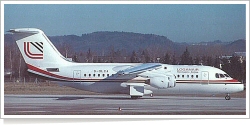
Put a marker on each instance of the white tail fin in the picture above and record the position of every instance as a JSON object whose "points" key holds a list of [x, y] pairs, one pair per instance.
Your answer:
{"points": [[36, 48]]}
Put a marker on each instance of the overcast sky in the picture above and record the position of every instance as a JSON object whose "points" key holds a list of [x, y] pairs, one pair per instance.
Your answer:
{"points": [[178, 22]]}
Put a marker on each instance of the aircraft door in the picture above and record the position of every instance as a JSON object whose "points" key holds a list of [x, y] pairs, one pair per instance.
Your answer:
{"points": [[204, 77], [76, 75]]}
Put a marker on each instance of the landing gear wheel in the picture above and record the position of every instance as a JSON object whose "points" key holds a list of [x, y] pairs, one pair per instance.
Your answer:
{"points": [[227, 97]]}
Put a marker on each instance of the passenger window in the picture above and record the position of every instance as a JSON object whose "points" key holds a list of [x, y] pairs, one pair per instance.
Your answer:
{"points": [[178, 76], [108, 75], [98, 75], [84, 75], [182, 76], [187, 76], [93, 75], [192, 76], [103, 75], [89, 75], [196, 76]]}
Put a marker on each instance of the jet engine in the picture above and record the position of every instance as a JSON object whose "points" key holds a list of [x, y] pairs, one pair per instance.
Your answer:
{"points": [[163, 82]]}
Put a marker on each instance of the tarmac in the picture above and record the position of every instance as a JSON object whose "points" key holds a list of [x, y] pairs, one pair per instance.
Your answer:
{"points": [[121, 105]]}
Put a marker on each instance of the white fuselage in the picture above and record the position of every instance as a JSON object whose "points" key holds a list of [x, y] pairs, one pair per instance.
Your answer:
{"points": [[102, 78]]}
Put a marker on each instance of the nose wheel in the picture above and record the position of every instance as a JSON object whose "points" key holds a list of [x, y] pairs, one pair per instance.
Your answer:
{"points": [[228, 97]]}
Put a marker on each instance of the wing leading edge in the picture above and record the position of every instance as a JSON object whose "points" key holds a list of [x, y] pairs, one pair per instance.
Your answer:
{"points": [[140, 69]]}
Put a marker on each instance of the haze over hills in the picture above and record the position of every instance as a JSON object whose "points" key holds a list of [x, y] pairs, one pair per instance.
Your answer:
{"points": [[127, 42]]}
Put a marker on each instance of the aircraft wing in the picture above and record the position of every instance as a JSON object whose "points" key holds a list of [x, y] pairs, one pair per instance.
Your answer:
{"points": [[140, 69], [137, 89]]}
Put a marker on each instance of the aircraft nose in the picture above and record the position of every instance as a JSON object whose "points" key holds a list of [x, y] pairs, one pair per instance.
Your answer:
{"points": [[243, 87]]}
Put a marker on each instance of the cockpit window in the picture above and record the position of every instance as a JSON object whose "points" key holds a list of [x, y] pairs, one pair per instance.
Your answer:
{"points": [[222, 76], [226, 75], [217, 75]]}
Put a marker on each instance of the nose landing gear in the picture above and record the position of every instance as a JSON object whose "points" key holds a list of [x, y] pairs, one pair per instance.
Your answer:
{"points": [[228, 97]]}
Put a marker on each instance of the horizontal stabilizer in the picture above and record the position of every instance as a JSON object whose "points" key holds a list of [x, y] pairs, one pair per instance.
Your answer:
{"points": [[25, 30]]}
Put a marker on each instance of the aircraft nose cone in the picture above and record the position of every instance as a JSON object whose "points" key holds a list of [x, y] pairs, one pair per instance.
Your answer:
{"points": [[243, 87]]}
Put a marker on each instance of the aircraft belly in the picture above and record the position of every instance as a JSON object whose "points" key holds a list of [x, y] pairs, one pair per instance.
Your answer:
{"points": [[189, 88], [99, 87]]}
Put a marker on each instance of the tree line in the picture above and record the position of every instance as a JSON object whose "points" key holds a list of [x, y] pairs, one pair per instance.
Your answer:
{"points": [[234, 65]]}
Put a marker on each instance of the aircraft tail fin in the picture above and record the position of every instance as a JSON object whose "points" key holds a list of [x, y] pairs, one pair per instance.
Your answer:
{"points": [[36, 49]]}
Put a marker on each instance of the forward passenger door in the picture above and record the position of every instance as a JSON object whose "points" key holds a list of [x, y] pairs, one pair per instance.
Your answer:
{"points": [[204, 77]]}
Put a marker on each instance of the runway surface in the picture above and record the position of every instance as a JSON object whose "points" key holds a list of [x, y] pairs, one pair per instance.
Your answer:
{"points": [[109, 105]]}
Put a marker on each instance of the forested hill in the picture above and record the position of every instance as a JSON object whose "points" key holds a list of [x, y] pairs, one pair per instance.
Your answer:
{"points": [[127, 42], [124, 41]]}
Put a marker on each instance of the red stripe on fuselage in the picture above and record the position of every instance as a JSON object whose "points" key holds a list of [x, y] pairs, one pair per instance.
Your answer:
{"points": [[48, 73], [209, 81], [58, 77]]}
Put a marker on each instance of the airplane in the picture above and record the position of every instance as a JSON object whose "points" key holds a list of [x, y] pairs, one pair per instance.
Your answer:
{"points": [[135, 79]]}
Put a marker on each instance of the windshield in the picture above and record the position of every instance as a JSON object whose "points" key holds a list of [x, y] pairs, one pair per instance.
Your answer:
{"points": [[219, 75], [222, 76], [227, 75]]}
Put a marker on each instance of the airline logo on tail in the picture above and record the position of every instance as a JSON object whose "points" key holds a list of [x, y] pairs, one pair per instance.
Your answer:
{"points": [[34, 50]]}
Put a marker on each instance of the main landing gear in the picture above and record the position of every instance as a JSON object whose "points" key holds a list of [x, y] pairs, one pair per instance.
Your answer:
{"points": [[135, 97], [228, 96]]}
